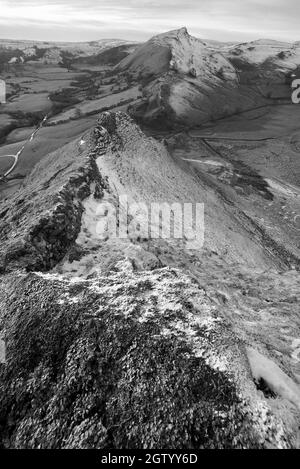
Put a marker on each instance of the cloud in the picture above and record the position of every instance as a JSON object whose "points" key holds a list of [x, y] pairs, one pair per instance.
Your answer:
{"points": [[139, 19]]}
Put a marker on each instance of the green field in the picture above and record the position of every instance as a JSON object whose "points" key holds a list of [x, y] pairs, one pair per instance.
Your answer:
{"points": [[5, 164], [70, 98]]}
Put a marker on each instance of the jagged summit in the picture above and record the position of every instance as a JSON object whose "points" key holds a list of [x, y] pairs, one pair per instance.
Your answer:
{"points": [[190, 81], [101, 331], [51, 221], [184, 74], [172, 34], [174, 50], [175, 32]]}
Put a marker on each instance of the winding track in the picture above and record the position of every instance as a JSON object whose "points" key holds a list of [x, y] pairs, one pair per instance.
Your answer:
{"points": [[17, 155]]}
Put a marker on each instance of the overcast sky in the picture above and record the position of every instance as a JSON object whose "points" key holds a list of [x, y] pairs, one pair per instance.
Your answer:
{"points": [[85, 20]]}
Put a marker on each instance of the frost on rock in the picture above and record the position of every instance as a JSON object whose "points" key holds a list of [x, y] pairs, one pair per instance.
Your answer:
{"points": [[138, 342], [126, 360]]}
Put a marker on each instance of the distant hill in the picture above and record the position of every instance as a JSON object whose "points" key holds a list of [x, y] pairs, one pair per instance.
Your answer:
{"points": [[54, 52], [189, 81]]}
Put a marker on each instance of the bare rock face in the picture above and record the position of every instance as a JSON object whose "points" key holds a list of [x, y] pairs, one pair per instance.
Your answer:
{"points": [[108, 122], [84, 371], [135, 343], [186, 81], [43, 219]]}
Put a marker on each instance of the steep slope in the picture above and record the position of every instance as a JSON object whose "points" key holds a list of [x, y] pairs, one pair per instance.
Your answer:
{"points": [[43, 218], [135, 341], [188, 81], [176, 50], [145, 173]]}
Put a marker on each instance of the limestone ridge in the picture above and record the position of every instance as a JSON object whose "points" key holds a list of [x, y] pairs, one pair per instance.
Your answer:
{"points": [[182, 75], [43, 219], [92, 365], [133, 353], [187, 81]]}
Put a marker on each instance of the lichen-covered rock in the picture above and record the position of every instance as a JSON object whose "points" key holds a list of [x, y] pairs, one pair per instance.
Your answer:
{"points": [[129, 360], [107, 120], [139, 342], [43, 219]]}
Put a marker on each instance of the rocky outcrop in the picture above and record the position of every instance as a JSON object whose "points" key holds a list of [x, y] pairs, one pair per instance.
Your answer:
{"points": [[40, 223], [128, 360], [186, 82], [137, 342]]}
